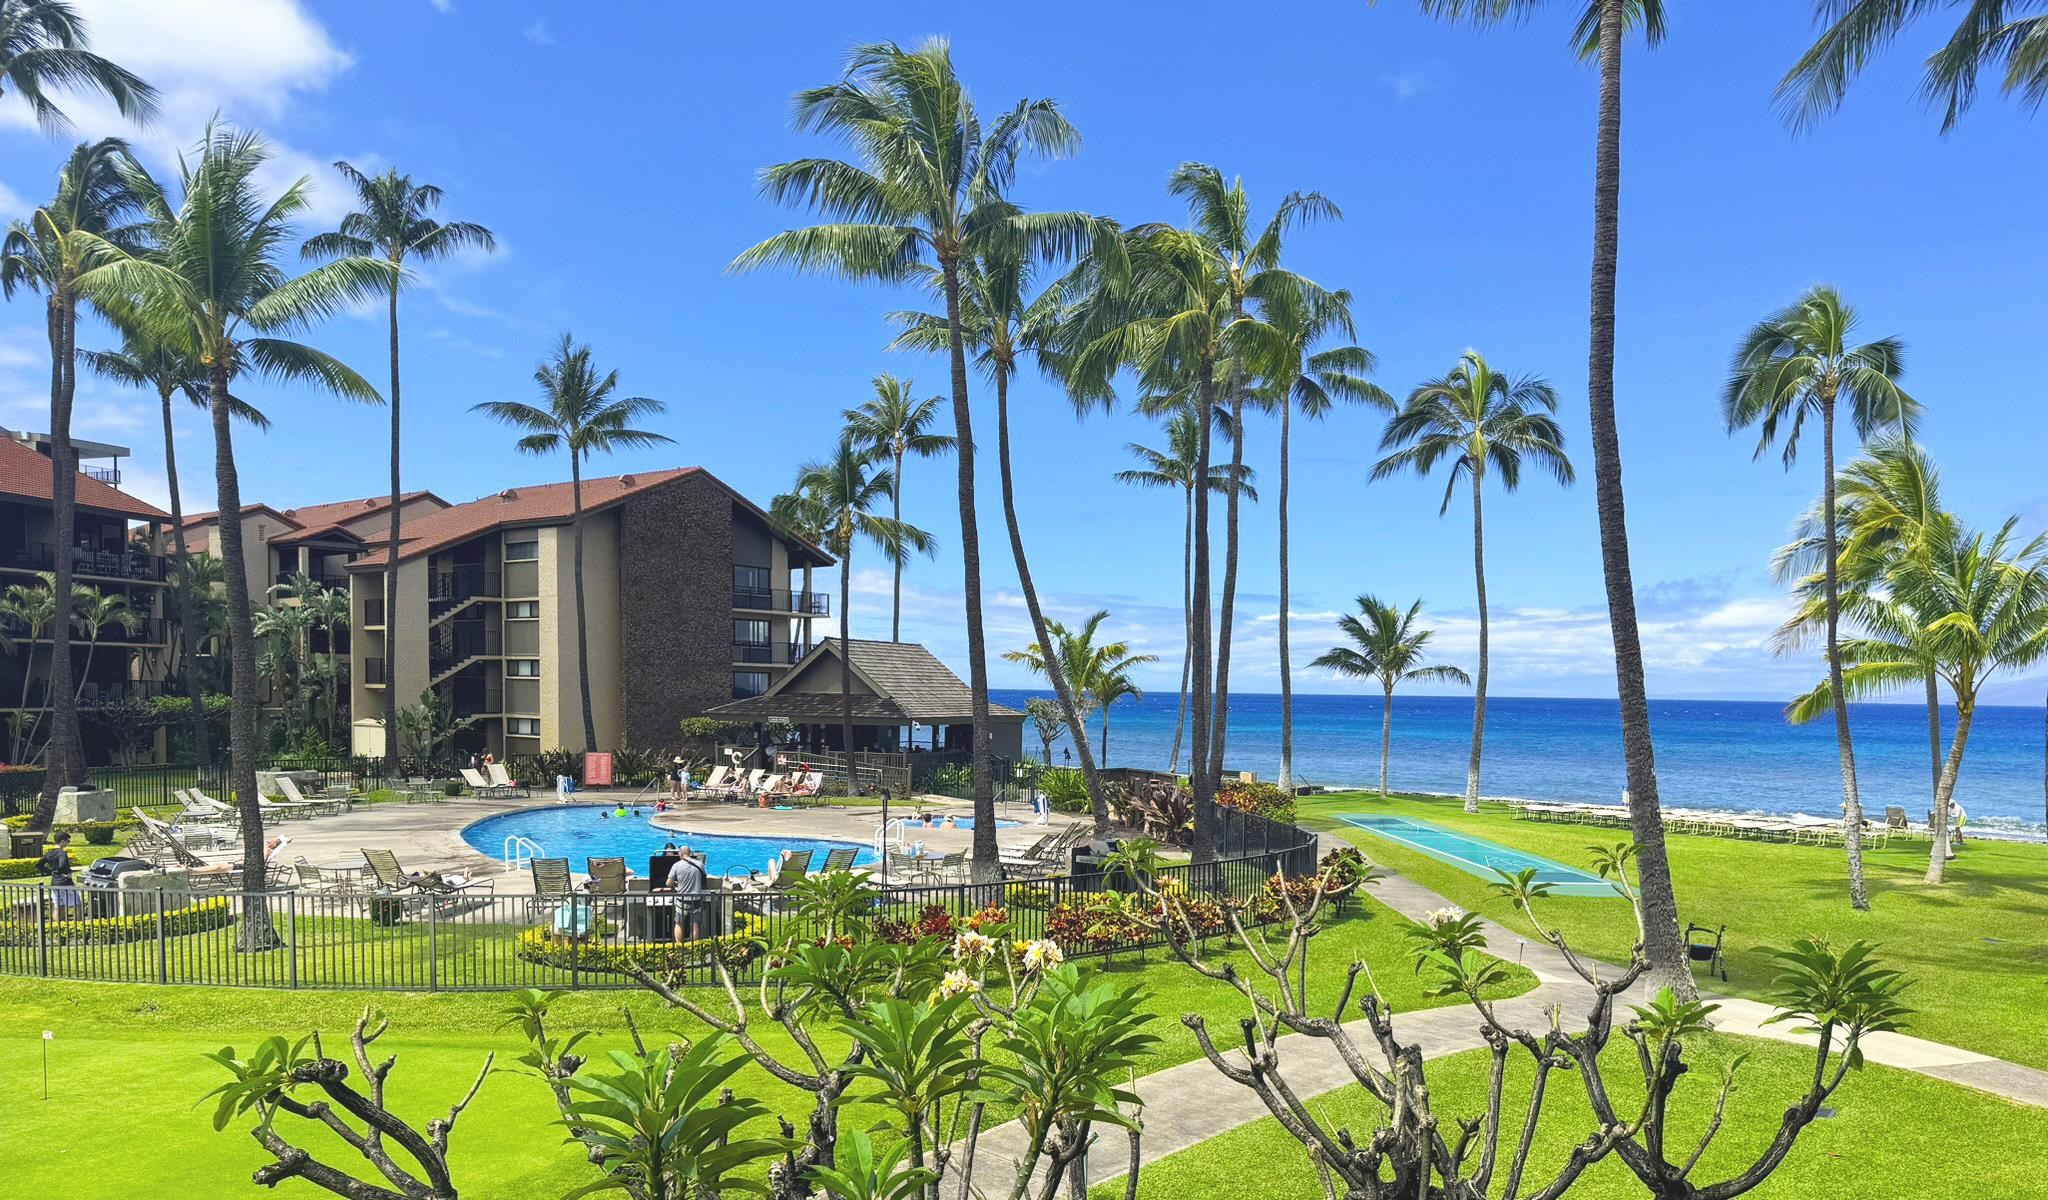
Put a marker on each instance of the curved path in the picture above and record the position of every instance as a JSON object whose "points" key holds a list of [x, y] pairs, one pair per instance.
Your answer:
{"points": [[1193, 1102]]}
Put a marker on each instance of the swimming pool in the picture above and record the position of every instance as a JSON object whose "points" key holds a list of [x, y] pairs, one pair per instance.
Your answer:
{"points": [[958, 823], [576, 832], [1478, 857]]}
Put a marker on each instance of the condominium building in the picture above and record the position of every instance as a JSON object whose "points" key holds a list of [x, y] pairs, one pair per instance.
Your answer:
{"points": [[112, 549], [694, 598], [317, 540]]}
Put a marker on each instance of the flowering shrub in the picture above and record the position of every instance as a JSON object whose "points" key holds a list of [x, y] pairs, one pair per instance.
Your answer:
{"points": [[1034, 896], [935, 920], [735, 950], [1259, 799]]}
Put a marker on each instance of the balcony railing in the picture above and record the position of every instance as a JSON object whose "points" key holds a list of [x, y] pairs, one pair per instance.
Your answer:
{"points": [[460, 640], [477, 702], [107, 475], [91, 694], [109, 564], [810, 604], [767, 652], [149, 631], [463, 583]]}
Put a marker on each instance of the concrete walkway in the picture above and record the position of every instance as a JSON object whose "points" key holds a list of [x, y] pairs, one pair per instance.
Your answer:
{"points": [[1192, 1102]]}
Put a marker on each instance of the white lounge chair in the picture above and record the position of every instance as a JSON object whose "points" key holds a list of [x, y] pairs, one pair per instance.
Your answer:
{"points": [[502, 779]]}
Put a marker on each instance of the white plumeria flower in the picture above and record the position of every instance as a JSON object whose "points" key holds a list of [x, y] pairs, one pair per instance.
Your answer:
{"points": [[1043, 955], [969, 945], [1439, 917], [957, 983]]}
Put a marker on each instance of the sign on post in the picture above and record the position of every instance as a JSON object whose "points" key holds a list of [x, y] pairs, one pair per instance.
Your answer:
{"points": [[597, 768]]}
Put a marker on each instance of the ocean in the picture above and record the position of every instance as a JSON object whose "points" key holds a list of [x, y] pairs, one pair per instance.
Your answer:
{"points": [[1712, 754]]}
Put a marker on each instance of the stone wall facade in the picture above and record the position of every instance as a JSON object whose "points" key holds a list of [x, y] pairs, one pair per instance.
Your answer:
{"points": [[675, 607]]}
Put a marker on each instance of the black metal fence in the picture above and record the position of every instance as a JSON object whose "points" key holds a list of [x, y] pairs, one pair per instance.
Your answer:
{"points": [[307, 939], [151, 786]]}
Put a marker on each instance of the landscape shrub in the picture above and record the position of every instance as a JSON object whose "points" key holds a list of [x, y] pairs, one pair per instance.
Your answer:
{"points": [[543, 947], [19, 787], [18, 868], [214, 912], [1259, 799], [97, 833], [1065, 788]]}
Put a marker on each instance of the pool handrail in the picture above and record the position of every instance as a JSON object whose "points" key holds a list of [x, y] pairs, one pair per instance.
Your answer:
{"points": [[520, 850]]}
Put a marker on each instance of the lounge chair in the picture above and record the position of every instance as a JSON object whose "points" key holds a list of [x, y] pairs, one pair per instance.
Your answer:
{"points": [[396, 880], [324, 804], [754, 778], [1049, 855], [840, 860], [159, 842], [807, 785], [502, 779], [607, 876], [771, 786]]}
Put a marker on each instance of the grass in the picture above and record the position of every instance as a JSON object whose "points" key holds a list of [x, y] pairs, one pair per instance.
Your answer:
{"points": [[1976, 947], [1871, 1147], [140, 1047]]}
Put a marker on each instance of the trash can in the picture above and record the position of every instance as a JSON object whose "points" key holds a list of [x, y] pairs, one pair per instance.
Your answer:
{"points": [[24, 843]]}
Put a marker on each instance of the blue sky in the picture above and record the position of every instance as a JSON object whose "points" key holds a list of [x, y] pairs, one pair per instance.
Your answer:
{"points": [[613, 148]]}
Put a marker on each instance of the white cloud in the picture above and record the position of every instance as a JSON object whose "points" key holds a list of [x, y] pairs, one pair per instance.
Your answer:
{"points": [[1410, 82], [444, 6], [539, 34]]}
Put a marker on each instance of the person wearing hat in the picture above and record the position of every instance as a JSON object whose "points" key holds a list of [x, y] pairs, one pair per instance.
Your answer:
{"points": [[678, 779]]}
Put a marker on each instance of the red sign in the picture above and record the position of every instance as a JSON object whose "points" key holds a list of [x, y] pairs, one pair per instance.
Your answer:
{"points": [[597, 769]]}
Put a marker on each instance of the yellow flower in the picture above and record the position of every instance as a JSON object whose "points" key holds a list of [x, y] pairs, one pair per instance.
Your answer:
{"points": [[957, 983]]}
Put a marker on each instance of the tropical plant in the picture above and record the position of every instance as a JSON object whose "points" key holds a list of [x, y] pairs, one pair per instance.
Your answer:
{"points": [[28, 611], [930, 189], [429, 724], [1097, 674], [199, 618], [658, 1126], [844, 491], [43, 46], [1597, 36], [59, 251], [891, 426], [1049, 720], [213, 288], [1312, 381], [1987, 35], [1798, 363], [1174, 467], [583, 416], [394, 220], [919, 1054], [1477, 420], [1388, 646], [92, 611]]}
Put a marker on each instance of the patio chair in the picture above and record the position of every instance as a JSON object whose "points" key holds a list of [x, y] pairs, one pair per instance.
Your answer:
{"points": [[607, 876], [840, 860], [952, 868], [552, 883], [311, 879], [502, 779], [430, 885], [1701, 950], [322, 806]]}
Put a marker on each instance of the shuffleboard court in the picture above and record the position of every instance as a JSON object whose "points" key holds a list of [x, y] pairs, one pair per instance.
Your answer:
{"points": [[1477, 856]]}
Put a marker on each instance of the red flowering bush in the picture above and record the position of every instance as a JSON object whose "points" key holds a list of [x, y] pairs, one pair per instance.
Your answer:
{"points": [[1259, 799]]}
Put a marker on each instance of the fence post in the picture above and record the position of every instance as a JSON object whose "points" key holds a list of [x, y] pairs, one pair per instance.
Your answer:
{"points": [[433, 946], [42, 930], [291, 940], [575, 943], [163, 967]]}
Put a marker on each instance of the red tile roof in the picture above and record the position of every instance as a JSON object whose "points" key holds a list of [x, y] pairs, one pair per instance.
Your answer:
{"points": [[543, 504], [309, 517], [25, 473]]}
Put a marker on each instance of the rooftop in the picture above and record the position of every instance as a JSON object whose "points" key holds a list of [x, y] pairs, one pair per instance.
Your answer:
{"points": [[26, 474], [313, 518], [908, 681]]}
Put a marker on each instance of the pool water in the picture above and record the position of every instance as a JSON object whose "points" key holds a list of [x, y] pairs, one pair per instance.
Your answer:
{"points": [[958, 823], [1478, 857], [577, 832]]}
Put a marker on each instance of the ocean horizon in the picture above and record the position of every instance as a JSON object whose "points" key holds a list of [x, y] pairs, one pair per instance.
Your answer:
{"points": [[1739, 755]]}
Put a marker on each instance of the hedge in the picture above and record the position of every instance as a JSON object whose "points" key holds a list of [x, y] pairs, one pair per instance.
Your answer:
{"points": [[214, 912], [544, 947], [18, 868]]}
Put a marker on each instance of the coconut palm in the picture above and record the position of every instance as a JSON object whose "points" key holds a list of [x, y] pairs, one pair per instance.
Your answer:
{"points": [[582, 415], [1477, 420], [394, 221], [85, 228], [1313, 381], [891, 426], [1174, 467], [92, 611], [43, 47], [169, 371], [1799, 363], [199, 615], [214, 288], [1988, 34], [1097, 672], [1386, 645], [29, 611], [330, 609], [930, 188], [844, 491], [286, 627], [1975, 606], [1598, 35]]}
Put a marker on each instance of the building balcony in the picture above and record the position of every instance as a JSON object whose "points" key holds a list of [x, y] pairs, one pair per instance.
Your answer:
{"points": [[463, 583], [373, 613], [373, 671], [124, 564], [781, 600], [468, 702], [770, 653]]}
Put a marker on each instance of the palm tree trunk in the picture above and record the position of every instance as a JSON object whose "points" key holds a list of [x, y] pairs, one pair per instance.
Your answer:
{"points": [[1934, 728], [63, 743], [896, 514], [1203, 844], [1224, 618], [1187, 553], [1479, 689], [1055, 668], [582, 617], [1661, 942], [92, 645], [1386, 734], [255, 932], [188, 598], [846, 663], [986, 865], [1852, 804], [1286, 669], [391, 574], [1938, 853]]}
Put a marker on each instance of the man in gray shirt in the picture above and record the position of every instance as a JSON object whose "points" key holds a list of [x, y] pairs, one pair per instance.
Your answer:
{"points": [[686, 880]]}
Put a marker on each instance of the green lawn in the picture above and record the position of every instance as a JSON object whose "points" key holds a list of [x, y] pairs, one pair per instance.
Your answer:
{"points": [[1895, 1134], [1975, 947], [138, 1048]]}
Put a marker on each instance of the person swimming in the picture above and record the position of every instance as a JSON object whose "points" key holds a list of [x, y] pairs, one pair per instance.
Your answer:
{"points": [[620, 812]]}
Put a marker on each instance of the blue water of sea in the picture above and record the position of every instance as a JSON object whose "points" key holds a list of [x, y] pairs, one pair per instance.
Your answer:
{"points": [[1717, 754]]}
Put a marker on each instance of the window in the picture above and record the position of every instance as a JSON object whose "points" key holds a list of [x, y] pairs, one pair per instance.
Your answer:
{"points": [[752, 632], [522, 551], [523, 668], [522, 726], [522, 610], [751, 578], [748, 683]]}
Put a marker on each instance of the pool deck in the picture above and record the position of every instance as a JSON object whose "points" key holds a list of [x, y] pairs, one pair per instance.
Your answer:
{"points": [[428, 837]]}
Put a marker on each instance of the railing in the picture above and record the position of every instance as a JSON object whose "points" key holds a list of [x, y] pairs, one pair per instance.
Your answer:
{"points": [[814, 604], [457, 642], [462, 583], [107, 475], [478, 702], [147, 631], [108, 564], [151, 786], [319, 940], [766, 652]]}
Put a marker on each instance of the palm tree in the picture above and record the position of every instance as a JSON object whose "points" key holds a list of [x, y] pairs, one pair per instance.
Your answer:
{"points": [[1799, 363], [200, 613], [94, 610], [142, 362], [330, 609], [57, 252], [1476, 419], [1598, 36], [1312, 381], [1386, 646], [1174, 467], [286, 627], [394, 221], [930, 189], [583, 417], [1974, 607], [890, 426], [1855, 31], [43, 46], [214, 289], [845, 491], [1099, 674]]}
